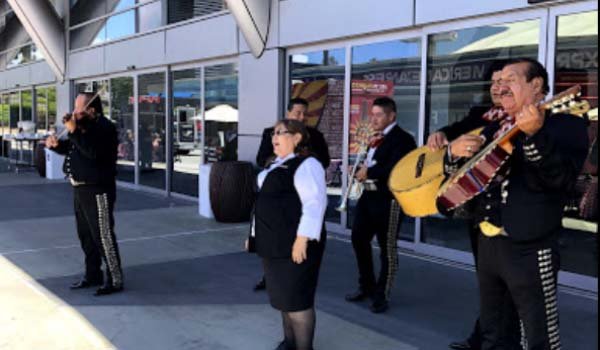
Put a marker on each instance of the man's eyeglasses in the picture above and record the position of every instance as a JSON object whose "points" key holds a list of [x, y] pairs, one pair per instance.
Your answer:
{"points": [[280, 133]]}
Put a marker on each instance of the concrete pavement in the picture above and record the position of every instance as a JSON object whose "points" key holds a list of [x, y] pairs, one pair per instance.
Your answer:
{"points": [[188, 284]]}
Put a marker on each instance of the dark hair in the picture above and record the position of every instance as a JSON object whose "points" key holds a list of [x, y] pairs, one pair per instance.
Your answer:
{"points": [[535, 70], [496, 66], [296, 127], [386, 103], [96, 103], [297, 101]]}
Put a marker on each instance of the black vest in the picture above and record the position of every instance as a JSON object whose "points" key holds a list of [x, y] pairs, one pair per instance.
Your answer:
{"points": [[278, 210]]}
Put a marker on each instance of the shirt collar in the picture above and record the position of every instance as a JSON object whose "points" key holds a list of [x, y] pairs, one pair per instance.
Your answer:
{"points": [[388, 129], [279, 160]]}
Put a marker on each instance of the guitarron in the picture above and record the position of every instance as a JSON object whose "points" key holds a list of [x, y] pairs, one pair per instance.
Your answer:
{"points": [[478, 173]]}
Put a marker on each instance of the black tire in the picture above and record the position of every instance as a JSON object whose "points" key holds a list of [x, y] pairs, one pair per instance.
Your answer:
{"points": [[39, 158], [232, 188]]}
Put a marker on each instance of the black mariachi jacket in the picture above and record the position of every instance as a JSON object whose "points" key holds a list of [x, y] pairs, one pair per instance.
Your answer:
{"points": [[318, 146], [91, 155], [396, 144], [529, 202]]}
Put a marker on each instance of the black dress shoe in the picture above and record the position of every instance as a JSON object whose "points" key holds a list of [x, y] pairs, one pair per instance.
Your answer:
{"points": [[461, 345], [85, 283], [359, 295], [261, 285], [283, 346], [108, 289], [380, 305]]}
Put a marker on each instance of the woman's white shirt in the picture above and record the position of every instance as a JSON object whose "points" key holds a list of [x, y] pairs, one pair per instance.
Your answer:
{"points": [[309, 182]]}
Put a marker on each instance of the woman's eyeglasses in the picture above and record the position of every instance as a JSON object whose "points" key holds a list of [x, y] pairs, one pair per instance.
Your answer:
{"points": [[280, 133]]}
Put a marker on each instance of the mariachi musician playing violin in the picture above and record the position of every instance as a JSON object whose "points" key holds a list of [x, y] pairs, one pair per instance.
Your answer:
{"points": [[520, 213], [91, 167]]}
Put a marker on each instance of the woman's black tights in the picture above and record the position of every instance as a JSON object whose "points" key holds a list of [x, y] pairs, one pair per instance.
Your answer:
{"points": [[299, 329]]}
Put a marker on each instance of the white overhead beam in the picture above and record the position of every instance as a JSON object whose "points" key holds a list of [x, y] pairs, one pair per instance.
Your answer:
{"points": [[39, 19], [254, 19]]}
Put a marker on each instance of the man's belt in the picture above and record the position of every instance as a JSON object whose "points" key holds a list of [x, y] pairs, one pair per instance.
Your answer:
{"points": [[490, 230], [75, 183], [370, 186]]}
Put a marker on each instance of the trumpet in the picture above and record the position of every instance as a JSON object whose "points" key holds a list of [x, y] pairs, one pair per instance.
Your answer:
{"points": [[355, 188]]}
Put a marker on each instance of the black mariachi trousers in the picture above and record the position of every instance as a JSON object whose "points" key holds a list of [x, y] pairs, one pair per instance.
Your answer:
{"points": [[377, 214], [94, 206], [528, 272]]}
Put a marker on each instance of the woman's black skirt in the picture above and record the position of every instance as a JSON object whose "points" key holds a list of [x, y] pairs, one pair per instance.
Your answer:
{"points": [[292, 287]]}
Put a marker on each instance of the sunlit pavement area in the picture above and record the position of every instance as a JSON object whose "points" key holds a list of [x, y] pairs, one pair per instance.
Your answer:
{"points": [[189, 285]]}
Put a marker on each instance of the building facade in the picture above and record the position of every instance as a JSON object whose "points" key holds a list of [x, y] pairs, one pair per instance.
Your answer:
{"points": [[184, 89]]}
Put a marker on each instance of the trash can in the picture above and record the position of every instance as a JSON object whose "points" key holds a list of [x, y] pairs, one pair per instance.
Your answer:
{"points": [[232, 191], [54, 165]]}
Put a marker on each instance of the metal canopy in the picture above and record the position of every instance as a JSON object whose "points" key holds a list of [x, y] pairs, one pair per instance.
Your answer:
{"points": [[253, 18], [40, 20]]}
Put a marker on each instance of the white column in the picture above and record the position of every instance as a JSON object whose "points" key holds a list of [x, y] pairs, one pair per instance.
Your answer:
{"points": [[261, 94]]}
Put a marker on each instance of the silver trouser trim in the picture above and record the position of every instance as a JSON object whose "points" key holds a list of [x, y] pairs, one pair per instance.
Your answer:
{"points": [[392, 247], [524, 343], [549, 290], [108, 244]]}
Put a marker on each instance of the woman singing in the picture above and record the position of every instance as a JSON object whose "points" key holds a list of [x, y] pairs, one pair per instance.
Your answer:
{"points": [[289, 234]]}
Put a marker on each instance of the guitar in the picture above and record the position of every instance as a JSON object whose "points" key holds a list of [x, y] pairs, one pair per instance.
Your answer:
{"points": [[416, 179], [478, 173]]}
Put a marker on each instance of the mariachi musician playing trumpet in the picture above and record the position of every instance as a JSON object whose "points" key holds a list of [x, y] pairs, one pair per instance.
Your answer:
{"points": [[377, 212], [520, 212], [91, 167]]}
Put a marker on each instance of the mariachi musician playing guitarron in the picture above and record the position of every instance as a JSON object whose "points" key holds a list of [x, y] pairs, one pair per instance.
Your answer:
{"points": [[525, 207], [478, 117]]}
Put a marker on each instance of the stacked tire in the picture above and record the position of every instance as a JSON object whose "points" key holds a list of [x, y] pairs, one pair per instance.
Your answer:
{"points": [[232, 191]]}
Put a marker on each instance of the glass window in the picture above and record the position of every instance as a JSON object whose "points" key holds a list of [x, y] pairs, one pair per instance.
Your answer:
{"points": [[41, 110], [26, 105], [187, 130], [577, 63], [4, 115], [456, 82], [45, 109], [86, 10], [140, 19], [122, 100], [152, 130], [4, 125], [19, 56], [319, 77], [221, 113], [181, 10], [150, 17], [14, 102], [120, 26], [391, 69]]}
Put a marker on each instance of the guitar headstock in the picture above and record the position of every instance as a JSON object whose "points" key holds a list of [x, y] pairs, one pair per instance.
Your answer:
{"points": [[569, 102]]}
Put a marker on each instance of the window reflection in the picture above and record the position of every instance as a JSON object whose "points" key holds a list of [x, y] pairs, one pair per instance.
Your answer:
{"points": [[391, 69], [577, 63], [121, 113], [319, 77], [221, 113], [152, 129], [187, 130], [140, 19]]}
